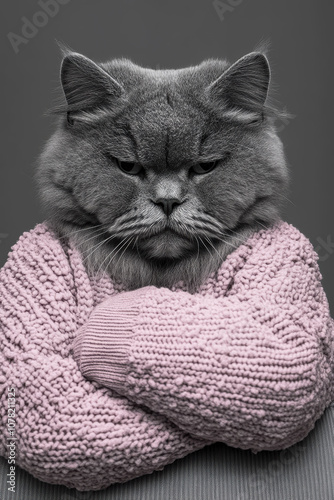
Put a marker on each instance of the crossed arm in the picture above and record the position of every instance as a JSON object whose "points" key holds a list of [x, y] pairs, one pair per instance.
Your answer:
{"points": [[251, 369]]}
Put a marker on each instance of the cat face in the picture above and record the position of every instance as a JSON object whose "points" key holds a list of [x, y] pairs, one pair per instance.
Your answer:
{"points": [[158, 174]]}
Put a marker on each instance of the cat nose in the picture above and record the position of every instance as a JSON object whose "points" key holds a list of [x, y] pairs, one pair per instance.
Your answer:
{"points": [[167, 204]]}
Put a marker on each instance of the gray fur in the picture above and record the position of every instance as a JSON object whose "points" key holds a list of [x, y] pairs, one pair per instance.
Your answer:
{"points": [[167, 121]]}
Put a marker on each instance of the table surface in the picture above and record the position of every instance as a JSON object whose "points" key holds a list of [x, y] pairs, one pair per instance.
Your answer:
{"points": [[217, 472]]}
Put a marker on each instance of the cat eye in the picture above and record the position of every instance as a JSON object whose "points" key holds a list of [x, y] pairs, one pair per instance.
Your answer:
{"points": [[129, 167], [256, 121], [204, 168]]}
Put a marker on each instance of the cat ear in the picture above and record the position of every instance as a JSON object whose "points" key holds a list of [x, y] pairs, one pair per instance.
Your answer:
{"points": [[85, 84], [244, 85]]}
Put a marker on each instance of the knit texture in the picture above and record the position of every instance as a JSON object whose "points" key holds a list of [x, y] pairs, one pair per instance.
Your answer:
{"points": [[112, 384]]}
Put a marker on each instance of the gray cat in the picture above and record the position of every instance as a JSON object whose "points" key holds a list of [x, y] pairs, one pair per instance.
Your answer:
{"points": [[157, 175]]}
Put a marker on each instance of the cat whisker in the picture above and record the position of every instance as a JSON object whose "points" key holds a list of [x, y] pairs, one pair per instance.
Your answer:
{"points": [[95, 236], [207, 228], [258, 222], [127, 226], [205, 245], [206, 232], [124, 250], [234, 235], [209, 220], [123, 242], [148, 228], [136, 244], [288, 199], [95, 247], [185, 231], [93, 228], [228, 242], [197, 248], [210, 243], [109, 254]]}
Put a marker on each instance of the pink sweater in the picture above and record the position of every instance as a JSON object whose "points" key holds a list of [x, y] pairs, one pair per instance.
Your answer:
{"points": [[111, 384]]}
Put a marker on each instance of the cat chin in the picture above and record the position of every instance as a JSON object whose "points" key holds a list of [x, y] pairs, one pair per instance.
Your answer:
{"points": [[166, 245]]}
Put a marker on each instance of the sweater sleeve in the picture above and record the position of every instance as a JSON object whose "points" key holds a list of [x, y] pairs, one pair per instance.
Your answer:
{"points": [[253, 368], [65, 429]]}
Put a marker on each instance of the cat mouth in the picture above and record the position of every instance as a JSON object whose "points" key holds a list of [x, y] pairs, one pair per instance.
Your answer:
{"points": [[167, 231], [167, 243]]}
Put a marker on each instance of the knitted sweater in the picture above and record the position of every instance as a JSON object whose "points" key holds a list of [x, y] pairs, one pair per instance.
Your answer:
{"points": [[111, 384]]}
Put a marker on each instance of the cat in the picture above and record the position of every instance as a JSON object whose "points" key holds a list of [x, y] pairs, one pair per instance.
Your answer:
{"points": [[158, 174]]}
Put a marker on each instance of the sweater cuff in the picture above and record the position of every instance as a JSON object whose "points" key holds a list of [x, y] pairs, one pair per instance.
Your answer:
{"points": [[102, 344]]}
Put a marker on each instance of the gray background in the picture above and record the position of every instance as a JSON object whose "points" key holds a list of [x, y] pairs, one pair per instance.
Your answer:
{"points": [[174, 34]]}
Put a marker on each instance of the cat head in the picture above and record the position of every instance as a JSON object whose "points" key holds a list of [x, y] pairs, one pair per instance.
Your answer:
{"points": [[157, 175]]}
